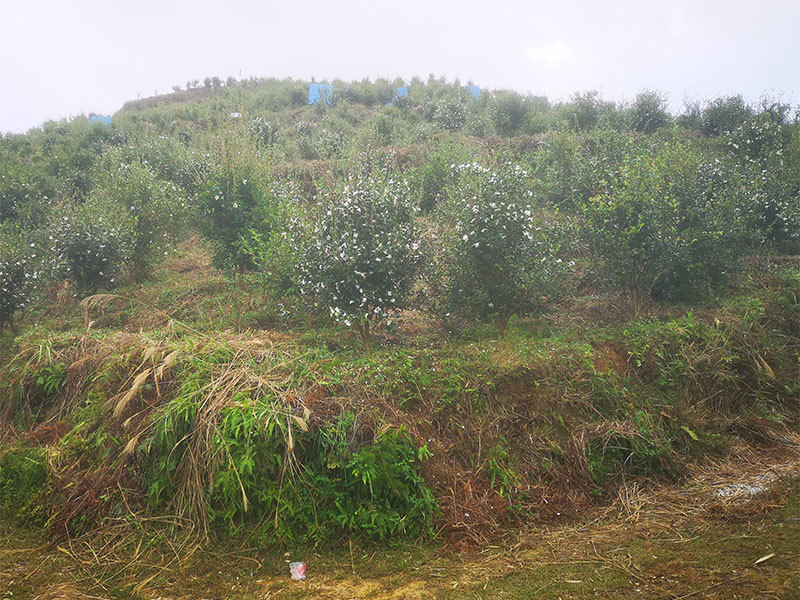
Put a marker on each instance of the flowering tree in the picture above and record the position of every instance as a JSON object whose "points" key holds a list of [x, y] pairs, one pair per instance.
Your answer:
{"points": [[501, 259], [361, 252]]}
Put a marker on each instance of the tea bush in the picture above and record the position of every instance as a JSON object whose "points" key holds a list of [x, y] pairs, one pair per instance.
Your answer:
{"points": [[430, 179], [649, 112], [568, 169], [91, 244], [763, 147], [20, 273], [25, 193], [264, 132], [233, 201], [272, 244], [723, 115], [361, 251], [509, 111], [155, 213], [669, 226], [501, 258], [447, 112]]}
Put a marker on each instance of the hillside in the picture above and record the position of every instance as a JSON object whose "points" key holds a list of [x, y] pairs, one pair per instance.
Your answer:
{"points": [[238, 325]]}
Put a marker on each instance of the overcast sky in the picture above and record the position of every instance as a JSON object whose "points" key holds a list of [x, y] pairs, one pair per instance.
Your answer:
{"points": [[64, 57]]}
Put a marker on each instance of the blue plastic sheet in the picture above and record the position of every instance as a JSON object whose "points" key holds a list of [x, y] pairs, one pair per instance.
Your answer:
{"points": [[475, 90], [401, 92], [320, 92], [104, 119]]}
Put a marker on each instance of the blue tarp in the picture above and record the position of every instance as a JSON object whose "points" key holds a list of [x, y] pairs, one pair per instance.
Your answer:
{"points": [[475, 90], [104, 119], [401, 92], [320, 92]]}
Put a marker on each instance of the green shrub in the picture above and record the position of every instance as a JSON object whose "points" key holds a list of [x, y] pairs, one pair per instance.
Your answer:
{"points": [[377, 487], [307, 141], [499, 467], [763, 147], [446, 112], [639, 447], [508, 113], [361, 251], [569, 168], [25, 193], [20, 273], [668, 227], [23, 480], [431, 178], [583, 112], [271, 470], [155, 214], [382, 130], [479, 122], [264, 132], [273, 243], [649, 112], [91, 244], [233, 200], [502, 260], [723, 115]]}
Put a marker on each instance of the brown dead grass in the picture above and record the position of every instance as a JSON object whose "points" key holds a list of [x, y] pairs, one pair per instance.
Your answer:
{"points": [[635, 545]]}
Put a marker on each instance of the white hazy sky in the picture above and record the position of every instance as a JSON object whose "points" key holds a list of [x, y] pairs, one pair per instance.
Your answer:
{"points": [[59, 58]]}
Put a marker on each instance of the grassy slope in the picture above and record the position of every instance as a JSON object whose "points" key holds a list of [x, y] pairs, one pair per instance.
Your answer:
{"points": [[549, 419]]}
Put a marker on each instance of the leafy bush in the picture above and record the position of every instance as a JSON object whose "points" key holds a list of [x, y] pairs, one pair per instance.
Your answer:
{"points": [[233, 202], [435, 173], [382, 130], [583, 111], [91, 244], [20, 272], [377, 487], [273, 243], [24, 193], [23, 479], [649, 112], [447, 112], [155, 215], [668, 227], [361, 251], [479, 122], [508, 113], [763, 147], [568, 168], [269, 468], [307, 141], [641, 448], [264, 132], [501, 261], [723, 115]]}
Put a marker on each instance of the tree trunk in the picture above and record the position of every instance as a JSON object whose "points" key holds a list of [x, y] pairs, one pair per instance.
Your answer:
{"points": [[502, 322], [362, 326]]}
